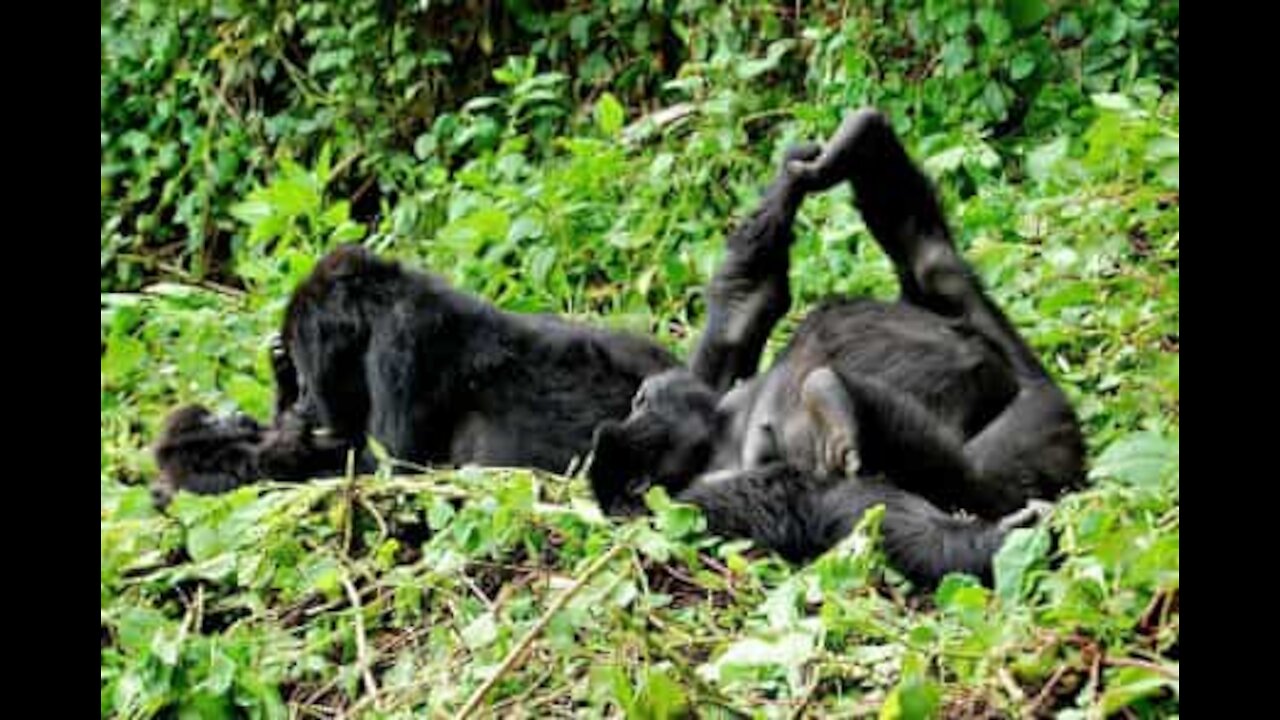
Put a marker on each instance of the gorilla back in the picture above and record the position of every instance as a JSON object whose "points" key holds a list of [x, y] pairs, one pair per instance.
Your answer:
{"points": [[439, 376], [372, 349]]}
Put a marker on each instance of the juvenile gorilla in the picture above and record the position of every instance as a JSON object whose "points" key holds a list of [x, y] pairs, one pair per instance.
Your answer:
{"points": [[207, 453], [930, 402], [373, 349]]}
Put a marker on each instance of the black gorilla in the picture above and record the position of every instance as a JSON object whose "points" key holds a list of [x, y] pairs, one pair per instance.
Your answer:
{"points": [[935, 393], [932, 401], [207, 453], [372, 349]]}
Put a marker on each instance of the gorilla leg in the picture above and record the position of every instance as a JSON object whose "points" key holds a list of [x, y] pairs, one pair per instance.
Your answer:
{"points": [[1034, 448], [750, 291], [902, 210], [895, 435], [799, 517], [831, 413]]}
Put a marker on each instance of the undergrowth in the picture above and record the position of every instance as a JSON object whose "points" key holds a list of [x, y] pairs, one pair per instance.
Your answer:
{"points": [[242, 140]]}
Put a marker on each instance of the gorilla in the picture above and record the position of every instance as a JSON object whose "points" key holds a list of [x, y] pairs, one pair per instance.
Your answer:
{"points": [[927, 405], [207, 453], [371, 349]]}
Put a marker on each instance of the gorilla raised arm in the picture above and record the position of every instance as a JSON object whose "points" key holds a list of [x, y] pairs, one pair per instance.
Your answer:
{"points": [[372, 349], [931, 401]]}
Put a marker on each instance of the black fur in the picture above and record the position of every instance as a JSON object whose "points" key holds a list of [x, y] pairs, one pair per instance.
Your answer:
{"points": [[931, 401], [372, 349], [206, 453]]}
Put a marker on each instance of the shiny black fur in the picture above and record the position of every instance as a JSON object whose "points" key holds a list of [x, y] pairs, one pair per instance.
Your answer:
{"points": [[373, 349], [930, 402], [206, 453]]}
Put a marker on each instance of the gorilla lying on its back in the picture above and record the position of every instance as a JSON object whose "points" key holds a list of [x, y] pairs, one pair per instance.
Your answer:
{"points": [[933, 402], [372, 349]]}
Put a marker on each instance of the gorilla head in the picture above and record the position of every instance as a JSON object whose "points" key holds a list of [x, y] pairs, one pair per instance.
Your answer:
{"points": [[668, 439], [204, 452]]}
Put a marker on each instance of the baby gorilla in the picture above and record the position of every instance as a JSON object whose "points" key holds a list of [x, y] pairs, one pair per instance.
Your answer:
{"points": [[206, 453]]}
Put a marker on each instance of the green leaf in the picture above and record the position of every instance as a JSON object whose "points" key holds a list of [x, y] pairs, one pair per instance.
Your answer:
{"points": [[1022, 550], [166, 644], [425, 146], [679, 521], [661, 697], [222, 671], [337, 214], [1113, 101], [124, 355], [480, 632], [914, 698], [1167, 173], [946, 161], [439, 513], [755, 67], [1044, 158], [610, 114], [1128, 685], [947, 594], [1078, 292], [1141, 459], [1026, 14], [1023, 64], [756, 657]]}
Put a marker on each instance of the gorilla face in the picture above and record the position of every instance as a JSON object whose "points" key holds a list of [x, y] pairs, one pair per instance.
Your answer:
{"points": [[204, 452], [666, 440]]}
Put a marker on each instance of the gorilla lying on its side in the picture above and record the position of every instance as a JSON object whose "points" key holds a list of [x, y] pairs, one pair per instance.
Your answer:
{"points": [[931, 402], [372, 349]]}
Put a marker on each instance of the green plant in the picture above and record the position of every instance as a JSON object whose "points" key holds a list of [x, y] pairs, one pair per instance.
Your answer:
{"points": [[507, 149]]}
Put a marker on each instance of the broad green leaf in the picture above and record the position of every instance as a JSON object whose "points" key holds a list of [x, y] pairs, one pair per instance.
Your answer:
{"points": [[1113, 101], [1026, 14], [1022, 550], [1142, 459]]}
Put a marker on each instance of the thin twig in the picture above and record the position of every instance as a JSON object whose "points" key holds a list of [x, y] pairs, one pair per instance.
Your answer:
{"points": [[518, 651], [186, 277], [1043, 695], [383, 532], [362, 647], [807, 697], [1010, 685], [1143, 664], [343, 164], [475, 590], [349, 510]]}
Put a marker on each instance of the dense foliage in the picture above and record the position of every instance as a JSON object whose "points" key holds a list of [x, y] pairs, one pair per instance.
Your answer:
{"points": [[506, 145]]}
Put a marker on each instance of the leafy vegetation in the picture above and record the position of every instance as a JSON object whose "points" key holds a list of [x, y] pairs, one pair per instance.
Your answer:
{"points": [[505, 145]]}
